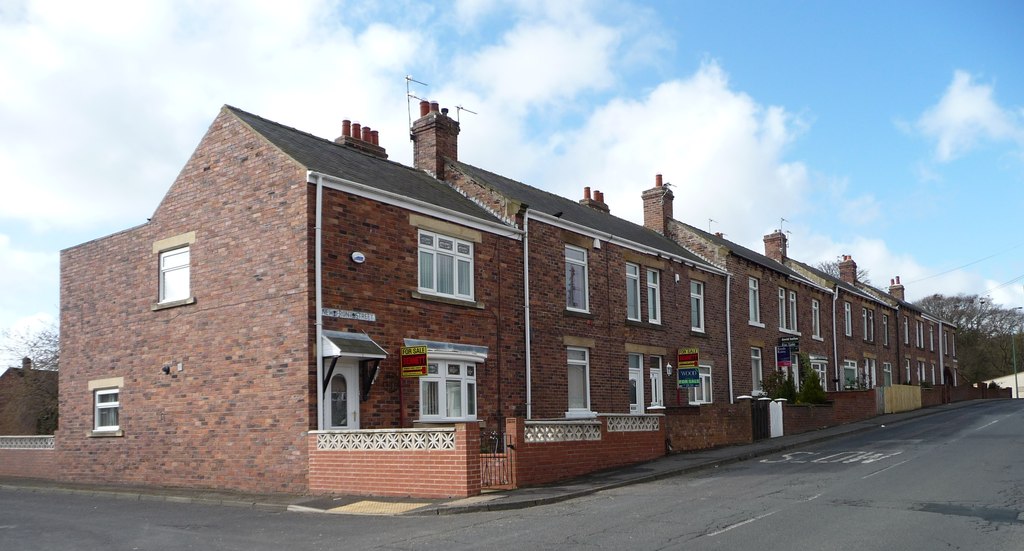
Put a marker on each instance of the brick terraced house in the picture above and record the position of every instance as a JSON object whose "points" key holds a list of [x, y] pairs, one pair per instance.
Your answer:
{"points": [[304, 315]]}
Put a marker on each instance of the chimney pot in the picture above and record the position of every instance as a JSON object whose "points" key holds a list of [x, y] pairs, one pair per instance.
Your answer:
{"points": [[366, 134], [434, 106], [586, 192], [444, 111], [357, 130], [375, 137], [424, 107], [346, 128], [657, 180], [598, 196], [898, 280]]}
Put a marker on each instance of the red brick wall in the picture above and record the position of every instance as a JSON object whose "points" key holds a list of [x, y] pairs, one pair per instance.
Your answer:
{"points": [[28, 463], [708, 426], [541, 463], [805, 418], [853, 405], [931, 396], [413, 473], [236, 415]]}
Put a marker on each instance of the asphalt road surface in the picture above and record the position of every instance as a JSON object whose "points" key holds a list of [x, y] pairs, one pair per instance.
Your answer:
{"points": [[954, 480]]}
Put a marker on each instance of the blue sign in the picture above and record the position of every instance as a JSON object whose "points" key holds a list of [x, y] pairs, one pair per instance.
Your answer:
{"points": [[783, 358], [688, 378]]}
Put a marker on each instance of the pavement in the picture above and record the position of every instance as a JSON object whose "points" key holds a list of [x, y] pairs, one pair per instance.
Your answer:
{"points": [[664, 467]]}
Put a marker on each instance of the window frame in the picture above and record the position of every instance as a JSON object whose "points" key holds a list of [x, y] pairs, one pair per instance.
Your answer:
{"points": [[931, 338], [99, 407], [849, 365], [632, 291], [821, 368], [869, 324], [815, 318], [165, 272], [656, 376], [654, 296], [885, 329], [697, 305], [585, 283], [906, 330], [436, 251], [585, 411], [848, 318], [754, 301], [468, 390], [757, 370], [886, 374], [707, 396]]}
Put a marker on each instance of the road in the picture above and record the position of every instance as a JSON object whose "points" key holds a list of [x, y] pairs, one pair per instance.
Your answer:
{"points": [[953, 480]]}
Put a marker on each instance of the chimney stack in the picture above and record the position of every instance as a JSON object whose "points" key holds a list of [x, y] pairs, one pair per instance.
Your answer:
{"points": [[657, 206], [435, 138], [26, 364], [776, 246], [848, 270], [896, 288], [361, 138], [594, 201]]}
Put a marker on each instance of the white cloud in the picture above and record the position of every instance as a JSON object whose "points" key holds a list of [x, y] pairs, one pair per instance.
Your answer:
{"points": [[30, 281], [966, 115]]}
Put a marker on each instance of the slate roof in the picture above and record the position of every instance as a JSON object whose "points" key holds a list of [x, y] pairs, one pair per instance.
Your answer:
{"points": [[572, 211], [852, 289], [749, 255], [324, 156]]}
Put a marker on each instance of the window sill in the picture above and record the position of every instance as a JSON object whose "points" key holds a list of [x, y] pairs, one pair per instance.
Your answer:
{"points": [[447, 300], [698, 403], [173, 304], [819, 339], [645, 325], [105, 433], [579, 314], [755, 324], [698, 333], [790, 331], [656, 408], [580, 414]]}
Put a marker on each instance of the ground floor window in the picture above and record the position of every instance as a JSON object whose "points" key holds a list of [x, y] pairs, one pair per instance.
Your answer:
{"points": [[578, 379], [870, 367], [448, 392], [887, 374], [657, 382], [701, 394], [107, 409], [636, 384], [821, 368], [756, 372], [849, 374]]}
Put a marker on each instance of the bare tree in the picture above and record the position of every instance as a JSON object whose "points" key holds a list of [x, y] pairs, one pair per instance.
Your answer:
{"points": [[41, 345], [28, 397]]}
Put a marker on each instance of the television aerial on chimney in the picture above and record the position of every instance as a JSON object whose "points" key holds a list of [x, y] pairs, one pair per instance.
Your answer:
{"points": [[408, 94]]}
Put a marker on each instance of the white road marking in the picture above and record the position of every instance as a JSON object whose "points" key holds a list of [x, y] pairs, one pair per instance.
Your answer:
{"points": [[738, 524], [988, 425], [885, 469], [812, 498]]}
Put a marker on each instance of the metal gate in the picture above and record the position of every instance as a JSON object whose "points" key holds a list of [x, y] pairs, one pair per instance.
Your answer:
{"points": [[760, 418], [497, 462]]}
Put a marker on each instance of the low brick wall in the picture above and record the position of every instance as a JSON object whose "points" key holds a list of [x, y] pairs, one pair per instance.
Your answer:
{"points": [[560, 450], [855, 405], [800, 418], [28, 457], [968, 392], [708, 426], [427, 463], [931, 397]]}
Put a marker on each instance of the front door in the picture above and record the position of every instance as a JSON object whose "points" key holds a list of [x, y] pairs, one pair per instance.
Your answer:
{"points": [[341, 395]]}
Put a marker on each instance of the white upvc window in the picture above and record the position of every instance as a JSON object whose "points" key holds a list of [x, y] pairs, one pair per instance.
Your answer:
{"points": [[633, 292], [933, 373], [953, 350], [920, 372], [920, 334], [887, 374], [815, 318], [754, 300], [849, 374], [657, 382], [945, 342], [756, 371], [821, 368], [871, 372], [697, 306], [869, 324], [578, 379], [885, 329], [576, 293], [174, 275], [636, 383], [448, 391], [445, 266], [906, 330], [107, 409], [931, 338], [907, 381], [787, 310], [847, 319], [653, 296], [701, 394]]}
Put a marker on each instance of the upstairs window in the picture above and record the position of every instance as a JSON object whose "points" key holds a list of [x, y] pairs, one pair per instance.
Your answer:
{"points": [[754, 300], [446, 266], [174, 275], [815, 318], [869, 324], [653, 296], [885, 329], [931, 338], [633, 292], [697, 306], [787, 310], [847, 319], [906, 330], [576, 295]]}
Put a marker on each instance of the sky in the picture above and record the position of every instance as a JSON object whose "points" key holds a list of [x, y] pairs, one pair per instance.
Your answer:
{"points": [[889, 131]]}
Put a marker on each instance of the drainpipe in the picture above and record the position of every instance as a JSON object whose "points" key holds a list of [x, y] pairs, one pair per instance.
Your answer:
{"points": [[526, 310], [319, 304], [728, 331], [835, 337]]}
